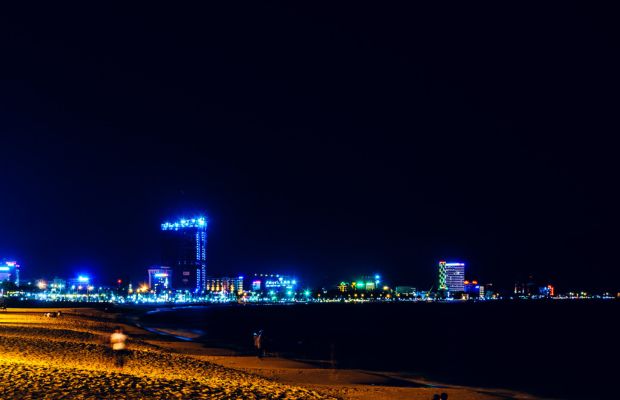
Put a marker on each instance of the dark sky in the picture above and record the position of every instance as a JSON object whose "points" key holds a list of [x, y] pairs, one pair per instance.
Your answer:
{"points": [[326, 140]]}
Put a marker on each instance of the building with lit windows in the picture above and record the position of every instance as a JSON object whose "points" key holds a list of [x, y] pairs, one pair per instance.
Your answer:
{"points": [[9, 271], [57, 285], [225, 286], [367, 283], [528, 287], [184, 246], [160, 278], [407, 290], [82, 283], [451, 277]]}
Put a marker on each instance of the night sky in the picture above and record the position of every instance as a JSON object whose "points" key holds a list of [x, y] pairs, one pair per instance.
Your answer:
{"points": [[323, 140]]}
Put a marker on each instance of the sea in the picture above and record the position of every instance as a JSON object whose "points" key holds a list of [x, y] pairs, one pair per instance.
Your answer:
{"points": [[566, 349]]}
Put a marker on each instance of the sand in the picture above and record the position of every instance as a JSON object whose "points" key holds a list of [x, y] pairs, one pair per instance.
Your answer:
{"points": [[69, 358]]}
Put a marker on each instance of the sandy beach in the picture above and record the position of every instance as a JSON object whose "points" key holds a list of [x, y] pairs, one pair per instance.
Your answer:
{"points": [[68, 358]]}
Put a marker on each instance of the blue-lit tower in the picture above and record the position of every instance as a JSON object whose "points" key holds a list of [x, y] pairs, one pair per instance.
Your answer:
{"points": [[185, 251]]}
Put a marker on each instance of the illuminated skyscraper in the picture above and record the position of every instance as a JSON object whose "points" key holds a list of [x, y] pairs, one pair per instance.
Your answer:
{"points": [[185, 250], [9, 271], [442, 276], [451, 277], [455, 277]]}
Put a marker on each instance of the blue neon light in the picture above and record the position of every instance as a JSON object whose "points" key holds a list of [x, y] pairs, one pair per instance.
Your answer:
{"points": [[184, 223]]}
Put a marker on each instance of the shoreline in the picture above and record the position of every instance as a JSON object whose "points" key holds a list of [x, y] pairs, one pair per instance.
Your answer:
{"points": [[68, 357], [272, 365]]}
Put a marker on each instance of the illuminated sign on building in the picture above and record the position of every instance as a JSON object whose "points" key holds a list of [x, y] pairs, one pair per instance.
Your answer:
{"points": [[280, 282], [159, 278], [273, 282], [9, 270]]}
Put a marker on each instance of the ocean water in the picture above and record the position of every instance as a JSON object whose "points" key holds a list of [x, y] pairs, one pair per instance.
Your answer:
{"points": [[559, 349]]}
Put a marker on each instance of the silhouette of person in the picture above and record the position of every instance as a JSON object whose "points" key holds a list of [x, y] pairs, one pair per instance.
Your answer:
{"points": [[119, 348], [258, 344]]}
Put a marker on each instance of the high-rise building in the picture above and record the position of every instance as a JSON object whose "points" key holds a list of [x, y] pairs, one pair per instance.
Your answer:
{"points": [[442, 276], [451, 277], [455, 277], [185, 251], [160, 278], [9, 270]]}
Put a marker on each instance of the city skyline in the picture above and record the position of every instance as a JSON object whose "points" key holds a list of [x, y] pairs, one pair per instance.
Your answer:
{"points": [[309, 200], [445, 272], [337, 147]]}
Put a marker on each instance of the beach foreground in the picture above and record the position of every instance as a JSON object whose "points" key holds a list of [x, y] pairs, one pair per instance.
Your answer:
{"points": [[68, 358]]}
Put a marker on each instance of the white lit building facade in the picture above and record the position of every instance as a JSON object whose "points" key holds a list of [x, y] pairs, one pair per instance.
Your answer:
{"points": [[455, 277]]}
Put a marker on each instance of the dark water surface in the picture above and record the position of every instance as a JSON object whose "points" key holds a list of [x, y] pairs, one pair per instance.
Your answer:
{"points": [[562, 349]]}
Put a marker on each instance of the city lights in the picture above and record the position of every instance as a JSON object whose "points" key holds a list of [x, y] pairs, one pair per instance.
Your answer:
{"points": [[198, 222], [184, 280]]}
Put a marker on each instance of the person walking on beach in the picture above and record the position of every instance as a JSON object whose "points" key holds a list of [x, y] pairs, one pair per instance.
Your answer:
{"points": [[258, 344], [119, 349]]}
